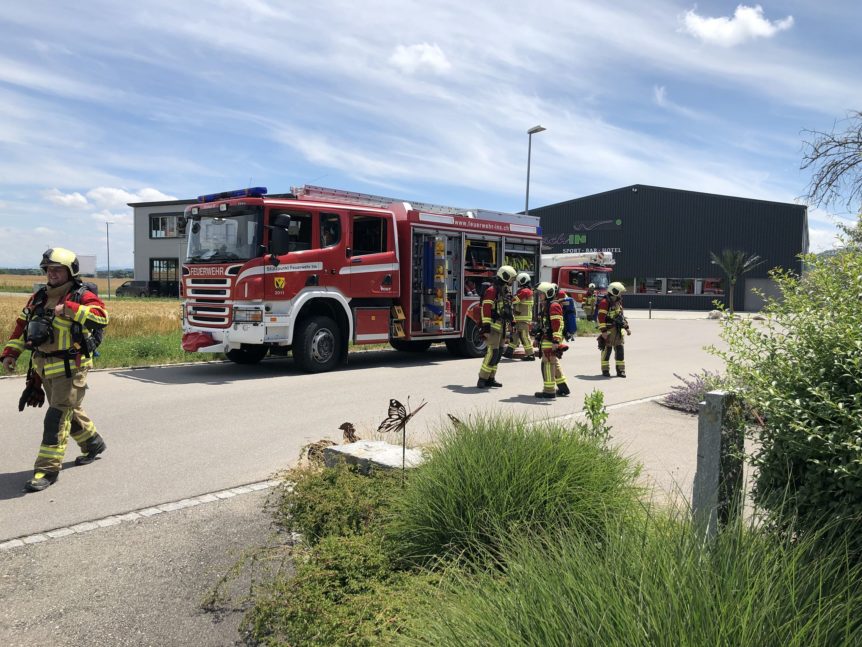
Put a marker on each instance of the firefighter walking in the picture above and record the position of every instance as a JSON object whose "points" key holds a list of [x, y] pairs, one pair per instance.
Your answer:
{"points": [[522, 307], [57, 325], [550, 341], [497, 317], [612, 328]]}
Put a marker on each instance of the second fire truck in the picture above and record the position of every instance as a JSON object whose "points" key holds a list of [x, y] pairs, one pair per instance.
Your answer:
{"points": [[315, 270]]}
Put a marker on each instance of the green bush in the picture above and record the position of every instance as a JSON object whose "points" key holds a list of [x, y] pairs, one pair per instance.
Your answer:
{"points": [[502, 473], [653, 586], [344, 592], [800, 371], [334, 502]]}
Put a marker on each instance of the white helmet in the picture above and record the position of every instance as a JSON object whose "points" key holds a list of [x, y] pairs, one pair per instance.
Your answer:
{"points": [[548, 289], [506, 274], [616, 289], [523, 279], [591, 286]]}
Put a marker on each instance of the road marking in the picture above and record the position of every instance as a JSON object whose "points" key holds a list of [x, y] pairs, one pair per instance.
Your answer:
{"points": [[142, 513], [611, 407]]}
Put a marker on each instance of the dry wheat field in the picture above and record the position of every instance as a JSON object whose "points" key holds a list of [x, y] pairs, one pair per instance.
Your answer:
{"points": [[128, 317], [18, 281]]}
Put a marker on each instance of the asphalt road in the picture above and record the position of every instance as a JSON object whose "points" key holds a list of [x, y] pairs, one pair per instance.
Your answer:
{"points": [[177, 432]]}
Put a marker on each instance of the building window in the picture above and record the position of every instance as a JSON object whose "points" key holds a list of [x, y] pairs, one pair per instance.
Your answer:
{"points": [[164, 225], [164, 269], [679, 286]]}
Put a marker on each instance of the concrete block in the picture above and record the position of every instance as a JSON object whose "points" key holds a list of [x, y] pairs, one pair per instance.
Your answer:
{"points": [[371, 453]]}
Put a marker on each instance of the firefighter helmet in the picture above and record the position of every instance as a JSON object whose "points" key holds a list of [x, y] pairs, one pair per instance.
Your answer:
{"points": [[616, 289], [591, 286], [506, 274], [548, 289], [523, 279], [60, 256]]}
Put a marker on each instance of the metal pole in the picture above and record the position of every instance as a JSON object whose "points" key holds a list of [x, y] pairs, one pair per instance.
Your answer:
{"points": [[529, 151], [108, 241]]}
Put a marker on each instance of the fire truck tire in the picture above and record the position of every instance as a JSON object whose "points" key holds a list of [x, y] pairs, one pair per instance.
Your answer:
{"points": [[247, 354], [471, 345], [316, 345], [410, 346]]}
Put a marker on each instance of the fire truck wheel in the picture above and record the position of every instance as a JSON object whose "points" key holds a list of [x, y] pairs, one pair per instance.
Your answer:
{"points": [[247, 354], [472, 344], [410, 346], [316, 345]]}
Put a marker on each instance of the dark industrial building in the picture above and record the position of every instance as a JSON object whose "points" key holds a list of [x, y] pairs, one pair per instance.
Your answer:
{"points": [[661, 240]]}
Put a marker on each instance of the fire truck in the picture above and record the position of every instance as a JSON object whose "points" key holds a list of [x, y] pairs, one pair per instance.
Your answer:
{"points": [[574, 272], [317, 269]]}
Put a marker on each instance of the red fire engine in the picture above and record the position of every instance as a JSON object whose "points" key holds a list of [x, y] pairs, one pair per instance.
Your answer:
{"points": [[317, 269], [575, 271]]}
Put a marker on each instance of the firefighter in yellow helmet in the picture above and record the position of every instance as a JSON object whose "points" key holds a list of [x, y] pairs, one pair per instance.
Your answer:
{"points": [[589, 303], [522, 306], [59, 325], [550, 340], [612, 328], [497, 318]]}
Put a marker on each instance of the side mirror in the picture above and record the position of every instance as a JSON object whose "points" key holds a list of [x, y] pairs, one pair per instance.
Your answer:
{"points": [[273, 260], [280, 221]]}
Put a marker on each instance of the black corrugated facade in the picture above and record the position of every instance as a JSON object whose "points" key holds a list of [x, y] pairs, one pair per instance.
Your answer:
{"points": [[662, 238]]}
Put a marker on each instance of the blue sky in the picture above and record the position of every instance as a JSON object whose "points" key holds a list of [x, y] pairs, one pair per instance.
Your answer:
{"points": [[104, 103]]}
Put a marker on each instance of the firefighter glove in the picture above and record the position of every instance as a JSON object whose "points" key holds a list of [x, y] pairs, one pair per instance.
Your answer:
{"points": [[33, 395], [601, 342]]}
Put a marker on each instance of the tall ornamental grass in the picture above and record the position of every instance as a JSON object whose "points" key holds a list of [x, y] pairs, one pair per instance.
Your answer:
{"points": [[654, 586], [501, 473]]}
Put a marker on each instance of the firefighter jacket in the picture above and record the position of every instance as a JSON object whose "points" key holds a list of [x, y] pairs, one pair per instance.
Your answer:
{"points": [[589, 302], [552, 327], [51, 357], [611, 318], [495, 310], [522, 305]]}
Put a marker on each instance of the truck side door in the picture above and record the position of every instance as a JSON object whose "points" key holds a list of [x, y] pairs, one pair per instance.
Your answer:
{"points": [[372, 262]]}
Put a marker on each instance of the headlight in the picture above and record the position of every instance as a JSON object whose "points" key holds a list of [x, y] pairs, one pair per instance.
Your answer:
{"points": [[247, 315]]}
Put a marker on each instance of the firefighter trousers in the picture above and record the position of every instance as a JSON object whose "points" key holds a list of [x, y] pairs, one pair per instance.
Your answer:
{"points": [[614, 341], [521, 335], [63, 418], [495, 340], [552, 373]]}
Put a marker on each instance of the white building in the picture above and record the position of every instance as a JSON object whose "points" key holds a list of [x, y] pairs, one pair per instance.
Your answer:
{"points": [[159, 247]]}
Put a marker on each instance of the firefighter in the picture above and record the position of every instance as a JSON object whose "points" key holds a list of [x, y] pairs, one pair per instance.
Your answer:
{"points": [[550, 342], [590, 302], [56, 326], [497, 317], [522, 305], [612, 328]]}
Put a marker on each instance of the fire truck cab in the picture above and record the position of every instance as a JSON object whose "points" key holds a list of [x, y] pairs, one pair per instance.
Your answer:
{"points": [[574, 272], [318, 269]]}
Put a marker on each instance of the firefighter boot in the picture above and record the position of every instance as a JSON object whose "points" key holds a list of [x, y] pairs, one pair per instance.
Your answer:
{"points": [[482, 384], [606, 373], [529, 357], [546, 396], [95, 446], [621, 373], [41, 480], [563, 389], [492, 382], [509, 352]]}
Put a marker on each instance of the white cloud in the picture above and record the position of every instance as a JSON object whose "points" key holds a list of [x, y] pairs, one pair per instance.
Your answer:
{"points": [[72, 200], [747, 23], [420, 58]]}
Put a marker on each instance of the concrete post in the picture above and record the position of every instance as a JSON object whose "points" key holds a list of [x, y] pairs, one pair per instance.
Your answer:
{"points": [[717, 491]]}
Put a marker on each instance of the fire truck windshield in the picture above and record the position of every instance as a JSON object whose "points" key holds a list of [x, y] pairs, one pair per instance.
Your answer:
{"points": [[600, 279], [224, 236]]}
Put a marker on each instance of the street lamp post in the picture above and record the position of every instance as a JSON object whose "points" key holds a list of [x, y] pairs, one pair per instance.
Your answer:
{"points": [[108, 241], [530, 133]]}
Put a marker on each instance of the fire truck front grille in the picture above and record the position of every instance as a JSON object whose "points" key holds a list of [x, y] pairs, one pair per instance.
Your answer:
{"points": [[207, 304]]}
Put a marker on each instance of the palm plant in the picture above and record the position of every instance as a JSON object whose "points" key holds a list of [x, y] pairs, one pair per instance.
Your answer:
{"points": [[734, 263]]}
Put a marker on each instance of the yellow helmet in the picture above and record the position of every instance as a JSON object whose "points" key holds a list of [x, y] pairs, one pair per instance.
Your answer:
{"points": [[60, 256], [616, 289], [548, 289], [506, 274]]}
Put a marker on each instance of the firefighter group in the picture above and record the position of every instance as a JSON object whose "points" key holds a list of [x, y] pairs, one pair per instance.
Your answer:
{"points": [[511, 319]]}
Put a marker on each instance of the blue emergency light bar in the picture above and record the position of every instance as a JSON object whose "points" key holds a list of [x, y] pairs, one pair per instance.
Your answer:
{"points": [[251, 192]]}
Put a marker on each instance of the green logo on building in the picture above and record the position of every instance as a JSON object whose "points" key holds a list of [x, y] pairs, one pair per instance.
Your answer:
{"points": [[578, 239]]}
